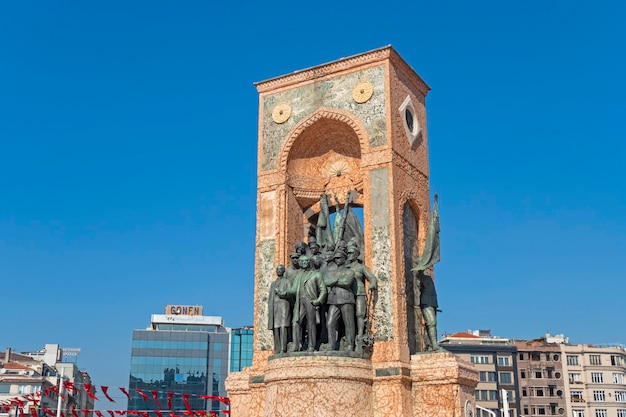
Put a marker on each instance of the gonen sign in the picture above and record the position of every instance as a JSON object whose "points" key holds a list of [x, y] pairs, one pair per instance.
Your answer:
{"points": [[183, 310]]}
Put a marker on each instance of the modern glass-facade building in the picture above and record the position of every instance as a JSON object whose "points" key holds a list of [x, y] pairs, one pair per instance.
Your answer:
{"points": [[179, 354], [241, 341]]}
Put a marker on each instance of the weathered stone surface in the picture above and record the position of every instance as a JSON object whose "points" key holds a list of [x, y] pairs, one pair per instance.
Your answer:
{"points": [[318, 386], [333, 93], [441, 385], [265, 272]]}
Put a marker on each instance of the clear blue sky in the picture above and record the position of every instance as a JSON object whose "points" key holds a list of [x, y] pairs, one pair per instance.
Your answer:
{"points": [[128, 140]]}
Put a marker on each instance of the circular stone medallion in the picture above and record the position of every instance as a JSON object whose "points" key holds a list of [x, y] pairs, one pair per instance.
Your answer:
{"points": [[363, 92], [281, 113]]}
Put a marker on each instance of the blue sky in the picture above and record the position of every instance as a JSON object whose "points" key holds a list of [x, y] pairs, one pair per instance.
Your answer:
{"points": [[128, 140]]}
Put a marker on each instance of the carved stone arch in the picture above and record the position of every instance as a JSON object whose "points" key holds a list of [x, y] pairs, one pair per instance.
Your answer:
{"points": [[323, 151]]}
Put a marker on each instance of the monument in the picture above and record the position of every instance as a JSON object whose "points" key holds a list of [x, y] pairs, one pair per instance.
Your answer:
{"points": [[343, 198]]}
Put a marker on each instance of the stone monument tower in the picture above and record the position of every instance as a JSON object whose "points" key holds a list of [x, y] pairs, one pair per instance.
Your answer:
{"points": [[355, 125]]}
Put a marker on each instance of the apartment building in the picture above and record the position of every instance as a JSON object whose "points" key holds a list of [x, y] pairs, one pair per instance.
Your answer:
{"points": [[595, 380]]}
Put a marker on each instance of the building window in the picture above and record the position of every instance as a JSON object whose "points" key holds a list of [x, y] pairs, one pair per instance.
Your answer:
{"points": [[572, 359], [616, 360], [504, 361], [524, 393], [481, 395], [577, 396], [510, 396], [493, 395], [525, 410], [538, 374], [539, 392], [601, 412], [618, 378], [595, 360], [596, 377], [621, 413], [541, 410], [505, 378], [620, 396], [599, 396], [521, 356], [535, 357], [578, 413], [574, 378], [523, 374], [479, 359]]}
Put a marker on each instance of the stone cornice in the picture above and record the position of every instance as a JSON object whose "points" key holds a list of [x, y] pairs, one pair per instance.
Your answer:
{"points": [[386, 53]]}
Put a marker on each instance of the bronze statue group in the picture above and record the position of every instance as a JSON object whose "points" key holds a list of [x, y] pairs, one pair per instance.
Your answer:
{"points": [[321, 302]]}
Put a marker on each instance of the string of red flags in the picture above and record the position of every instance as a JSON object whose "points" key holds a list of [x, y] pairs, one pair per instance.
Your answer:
{"points": [[114, 413], [21, 402]]}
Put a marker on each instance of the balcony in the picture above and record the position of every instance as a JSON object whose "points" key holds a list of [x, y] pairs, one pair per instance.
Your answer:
{"points": [[577, 400]]}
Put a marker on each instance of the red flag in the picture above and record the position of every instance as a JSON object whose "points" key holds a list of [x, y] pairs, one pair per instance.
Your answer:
{"points": [[172, 414], [120, 412], [46, 392], [227, 412], [213, 413], [98, 413], [106, 394], [155, 395], [85, 411], [200, 412], [69, 386], [111, 413], [125, 392], [145, 414], [62, 414], [33, 411], [88, 390], [54, 388], [48, 411], [143, 394], [224, 400], [169, 400], [158, 413], [74, 413], [186, 400]]}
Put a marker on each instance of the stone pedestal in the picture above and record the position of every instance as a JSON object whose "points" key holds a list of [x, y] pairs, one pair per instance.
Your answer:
{"points": [[318, 386], [435, 385], [442, 385]]}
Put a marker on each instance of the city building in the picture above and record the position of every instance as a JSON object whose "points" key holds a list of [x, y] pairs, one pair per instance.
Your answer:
{"points": [[596, 383], [24, 374], [241, 341], [185, 352], [541, 377], [496, 361], [551, 376]]}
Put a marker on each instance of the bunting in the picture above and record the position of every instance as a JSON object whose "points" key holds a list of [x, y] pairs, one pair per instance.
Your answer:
{"points": [[33, 400]]}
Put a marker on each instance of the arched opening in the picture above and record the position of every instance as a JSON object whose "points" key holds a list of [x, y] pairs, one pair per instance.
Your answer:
{"points": [[410, 229], [325, 156]]}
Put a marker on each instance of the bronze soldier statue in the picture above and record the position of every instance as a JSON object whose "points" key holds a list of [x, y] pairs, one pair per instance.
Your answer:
{"points": [[309, 292], [361, 273], [279, 310], [341, 301]]}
